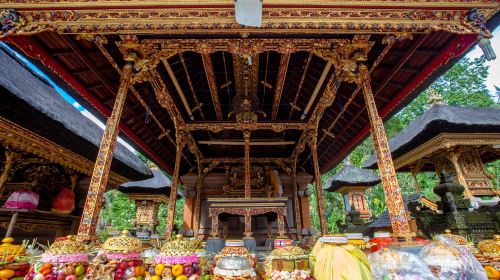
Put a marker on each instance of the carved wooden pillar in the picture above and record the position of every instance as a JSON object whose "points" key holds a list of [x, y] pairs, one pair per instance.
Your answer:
{"points": [[197, 203], [393, 197], [10, 159], [296, 203], [215, 224], [281, 224], [248, 223], [248, 190], [453, 156], [313, 138], [100, 174], [180, 143]]}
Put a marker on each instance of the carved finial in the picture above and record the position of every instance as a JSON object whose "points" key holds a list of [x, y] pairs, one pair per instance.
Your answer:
{"points": [[434, 98]]}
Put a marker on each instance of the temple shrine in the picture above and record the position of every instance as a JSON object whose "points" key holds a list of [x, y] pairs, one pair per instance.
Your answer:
{"points": [[244, 104]]}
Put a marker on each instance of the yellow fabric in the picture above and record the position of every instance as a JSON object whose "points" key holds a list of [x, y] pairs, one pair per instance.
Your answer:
{"points": [[346, 262]]}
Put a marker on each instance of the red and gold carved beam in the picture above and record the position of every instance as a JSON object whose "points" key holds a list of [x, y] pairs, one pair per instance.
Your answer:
{"points": [[217, 16], [274, 126], [285, 58]]}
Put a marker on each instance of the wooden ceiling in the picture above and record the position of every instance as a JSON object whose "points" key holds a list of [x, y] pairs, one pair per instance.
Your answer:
{"points": [[408, 67]]}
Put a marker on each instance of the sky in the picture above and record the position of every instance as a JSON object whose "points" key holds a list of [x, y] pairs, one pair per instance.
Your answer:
{"points": [[493, 79]]}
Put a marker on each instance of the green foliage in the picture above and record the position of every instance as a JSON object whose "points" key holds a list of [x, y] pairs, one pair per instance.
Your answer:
{"points": [[118, 211], [462, 85], [178, 218]]}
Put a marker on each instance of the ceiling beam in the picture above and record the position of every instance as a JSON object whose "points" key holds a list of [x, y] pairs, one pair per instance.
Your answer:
{"points": [[219, 126], [388, 78], [197, 103], [242, 143], [212, 84], [178, 88], [321, 80], [280, 82]]}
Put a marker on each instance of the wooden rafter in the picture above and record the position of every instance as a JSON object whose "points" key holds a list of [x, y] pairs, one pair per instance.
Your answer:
{"points": [[395, 70], [284, 60], [212, 85], [178, 88], [165, 132], [197, 103], [309, 58]]}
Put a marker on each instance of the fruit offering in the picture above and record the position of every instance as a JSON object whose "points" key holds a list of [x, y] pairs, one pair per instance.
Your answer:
{"points": [[11, 267], [489, 257], [119, 260], [450, 261], [66, 259], [177, 259], [235, 262], [288, 262], [389, 264], [332, 258]]}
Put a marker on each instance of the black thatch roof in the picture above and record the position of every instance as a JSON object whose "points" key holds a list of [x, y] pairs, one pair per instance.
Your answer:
{"points": [[351, 176], [441, 119], [29, 102], [159, 184], [384, 221]]}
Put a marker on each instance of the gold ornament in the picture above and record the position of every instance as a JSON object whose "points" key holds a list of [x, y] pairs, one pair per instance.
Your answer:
{"points": [[67, 246], [123, 243]]}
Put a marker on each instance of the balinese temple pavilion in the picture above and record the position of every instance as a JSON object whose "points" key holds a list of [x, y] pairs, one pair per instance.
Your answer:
{"points": [[48, 147], [245, 105], [459, 140]]}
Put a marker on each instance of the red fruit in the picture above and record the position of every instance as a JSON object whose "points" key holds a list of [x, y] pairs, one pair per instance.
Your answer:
{"points": [[123, 265], [137, 263], [131, 263], [61, 276]]}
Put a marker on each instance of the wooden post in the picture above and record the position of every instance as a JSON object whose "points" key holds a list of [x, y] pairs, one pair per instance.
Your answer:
{"points": [[281, 225], [296, 203], [180, 143], [248, 224], [317, 181], [392, 192], [12, 224], [102, 166], [453, 156], [197, 203], [248, 190], [10, 159], [215, 225]]}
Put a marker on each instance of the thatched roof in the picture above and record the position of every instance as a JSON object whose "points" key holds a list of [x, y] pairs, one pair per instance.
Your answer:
{"points": [[351, 176], [31, 103], [159, 184], [441, 119], [384, 221]]}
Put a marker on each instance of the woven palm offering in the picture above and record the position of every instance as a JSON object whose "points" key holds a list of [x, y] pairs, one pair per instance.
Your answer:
{"points": [[120, 259], [390, 264], [235, 262], [489, 256], [65, 259], [288, 262], [450, 261], [12, 263], [332, 258], [177, 259]]}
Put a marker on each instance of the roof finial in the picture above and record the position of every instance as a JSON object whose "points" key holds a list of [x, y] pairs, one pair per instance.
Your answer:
{"points": [[434, 97]]}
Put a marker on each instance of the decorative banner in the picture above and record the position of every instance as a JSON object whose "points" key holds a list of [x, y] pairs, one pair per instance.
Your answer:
{"points": [[282, 243], [248, 12]]}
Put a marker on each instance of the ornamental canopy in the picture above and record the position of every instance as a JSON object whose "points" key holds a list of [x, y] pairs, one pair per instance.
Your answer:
{"points": [[200, 74], [46, 114]]}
